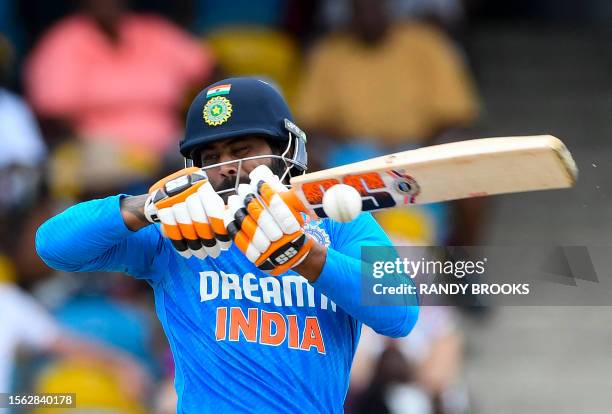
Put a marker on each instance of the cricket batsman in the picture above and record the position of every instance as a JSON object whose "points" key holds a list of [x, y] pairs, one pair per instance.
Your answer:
{"points": [[260, 303]]}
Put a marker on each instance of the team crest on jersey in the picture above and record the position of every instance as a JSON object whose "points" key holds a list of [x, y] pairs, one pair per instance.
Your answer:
{"points": [[318, 233], [217, 111]]}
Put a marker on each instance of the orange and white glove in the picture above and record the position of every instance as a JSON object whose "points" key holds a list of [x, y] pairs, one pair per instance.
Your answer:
{"points": [[190, 212], [265, 222]]}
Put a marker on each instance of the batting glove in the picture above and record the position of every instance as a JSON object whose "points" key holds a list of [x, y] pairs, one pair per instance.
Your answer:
{"points": [[265, 223], [190, 213]]}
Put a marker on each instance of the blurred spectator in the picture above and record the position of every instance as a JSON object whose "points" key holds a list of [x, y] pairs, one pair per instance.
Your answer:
{"points": [[258, 51], [92, 169], [166, 400], [21, 144], [383, 86], [419, 374], [448, 14], [213, 15], [297, 18], [12, 31], [116, 76], [22, 152], [257, 38], [386, 83], [6, 52], [26, 325]]}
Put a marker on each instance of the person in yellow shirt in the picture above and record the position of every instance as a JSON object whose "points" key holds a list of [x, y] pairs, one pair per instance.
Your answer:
{"points": [[382, 86], [397, 83]]}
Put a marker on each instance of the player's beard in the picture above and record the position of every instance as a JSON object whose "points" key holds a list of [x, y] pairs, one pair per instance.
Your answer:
{"points": [[229, 183]]}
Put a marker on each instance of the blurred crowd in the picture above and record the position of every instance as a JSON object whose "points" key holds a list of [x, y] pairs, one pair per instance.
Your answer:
{"points": [[92, 102]]}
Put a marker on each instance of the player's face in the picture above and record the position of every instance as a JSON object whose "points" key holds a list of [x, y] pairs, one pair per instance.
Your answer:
{"points": [[224, 176]]}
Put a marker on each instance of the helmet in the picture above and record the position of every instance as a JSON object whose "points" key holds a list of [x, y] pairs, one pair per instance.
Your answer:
{"points": [[236, 107]]}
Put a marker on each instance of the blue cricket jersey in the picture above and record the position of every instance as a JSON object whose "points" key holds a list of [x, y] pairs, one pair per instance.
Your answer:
{"points": [[242, 340]]}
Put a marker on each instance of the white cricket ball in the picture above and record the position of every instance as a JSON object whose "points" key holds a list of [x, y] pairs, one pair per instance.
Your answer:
{"points": [[342, 203]]}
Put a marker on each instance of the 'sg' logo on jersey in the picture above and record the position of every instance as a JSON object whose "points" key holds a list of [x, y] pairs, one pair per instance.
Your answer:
{"points": [[217, 111]]}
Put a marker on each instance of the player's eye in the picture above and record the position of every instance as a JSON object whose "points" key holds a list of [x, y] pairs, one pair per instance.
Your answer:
{"points": [[241, 151], [209, 159]]}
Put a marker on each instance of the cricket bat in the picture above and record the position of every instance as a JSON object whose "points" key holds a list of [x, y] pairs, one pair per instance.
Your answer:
{"points": [[474, 168]]}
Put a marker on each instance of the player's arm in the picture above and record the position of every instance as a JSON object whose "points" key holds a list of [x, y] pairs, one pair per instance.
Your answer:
{"points": [[113, 234], [132, 212], [93, 236], [340, 279]]}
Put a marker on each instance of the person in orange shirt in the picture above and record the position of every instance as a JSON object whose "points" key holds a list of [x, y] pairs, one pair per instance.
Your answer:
{"points": [[116, 76]]}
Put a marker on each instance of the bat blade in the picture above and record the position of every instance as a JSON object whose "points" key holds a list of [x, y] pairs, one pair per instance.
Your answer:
{"points": [[473, 168]]}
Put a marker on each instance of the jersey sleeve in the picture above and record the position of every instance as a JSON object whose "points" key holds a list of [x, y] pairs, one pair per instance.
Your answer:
{"points": [[340, 278], [92, 236]]}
